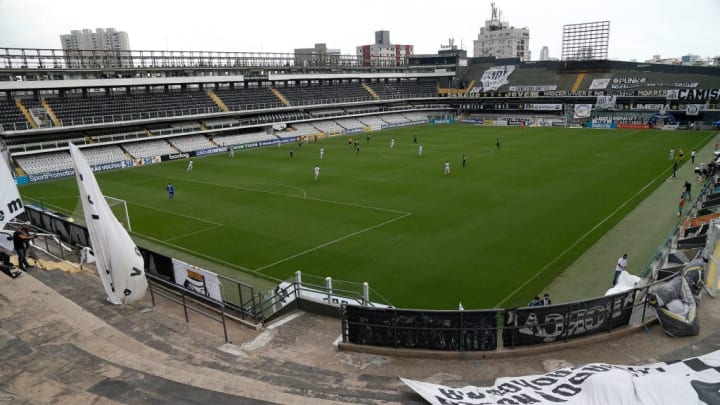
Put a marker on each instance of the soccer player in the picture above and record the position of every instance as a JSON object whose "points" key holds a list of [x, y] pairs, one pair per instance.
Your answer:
{"points": [[292, 152], [447, 167], [357, 148], [392, 143], [322, 153], [420, 150], [497, 143], [464, 160], [171, 191], [190, 164], [232, 152], [414, 139], [317, 172]]}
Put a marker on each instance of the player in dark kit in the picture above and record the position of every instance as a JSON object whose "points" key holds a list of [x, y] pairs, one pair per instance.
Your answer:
{"points": [[171, 191]]}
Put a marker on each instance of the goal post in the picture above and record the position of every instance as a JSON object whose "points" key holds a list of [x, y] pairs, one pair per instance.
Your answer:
{"points": [[117, 205]]}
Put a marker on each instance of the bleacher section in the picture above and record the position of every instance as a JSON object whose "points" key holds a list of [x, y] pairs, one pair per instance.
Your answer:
{"points": [[350, 123], [302, 129], [11, 118], [329, 127], [104, 154], [76, 110], [404, 89], [373, 122], [44, 162], [238, 139], [149, 148], [191, 143], [248, 99], [325, 94]]}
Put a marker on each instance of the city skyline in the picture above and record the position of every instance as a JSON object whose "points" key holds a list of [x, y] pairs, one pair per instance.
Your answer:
{"points": [[638, 31]]}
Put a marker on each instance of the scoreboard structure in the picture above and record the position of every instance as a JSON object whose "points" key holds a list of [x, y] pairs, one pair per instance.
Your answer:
{"points": [[586, 41]]}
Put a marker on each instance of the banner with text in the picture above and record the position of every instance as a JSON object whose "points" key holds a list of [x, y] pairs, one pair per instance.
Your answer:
{"points": [[695, 380]]}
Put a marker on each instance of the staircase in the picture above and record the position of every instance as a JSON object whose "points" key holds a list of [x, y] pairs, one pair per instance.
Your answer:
{"points": [[578, 81], [51, 113], [217, 101], [27, 114], [371, 91], [280, 97]]}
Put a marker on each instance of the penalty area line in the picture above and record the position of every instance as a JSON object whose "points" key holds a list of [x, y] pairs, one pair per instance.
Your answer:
{"points": [[578, 240], [192, 233], [340, 239], [193, 252]]}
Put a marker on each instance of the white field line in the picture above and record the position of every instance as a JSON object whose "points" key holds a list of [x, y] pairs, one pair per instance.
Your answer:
{"points": [[296, 196], [193, 252], [192, 233], [175, 213], [578, 240], [259, 269]]}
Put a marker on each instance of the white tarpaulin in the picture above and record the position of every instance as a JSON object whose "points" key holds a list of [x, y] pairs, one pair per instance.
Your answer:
{"points": [[118, 261], [692, 381], [10, 203]]}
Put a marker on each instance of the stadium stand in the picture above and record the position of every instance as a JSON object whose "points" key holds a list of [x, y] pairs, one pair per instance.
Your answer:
{"points": [[149, 148], [238, 139], [374, 122], [191, 143], [325, 94], [329, 127], [248, 99], [78, 110], [104, 154], [44, 162], [302, 129], [11, 118], [404, 89], [350, 123]]}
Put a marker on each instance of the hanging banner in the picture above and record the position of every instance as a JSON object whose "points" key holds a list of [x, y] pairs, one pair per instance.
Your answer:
{"points": [[582, 110], [598, 84], [496, 76], [694, 380], [201, 281], [535, 325]]}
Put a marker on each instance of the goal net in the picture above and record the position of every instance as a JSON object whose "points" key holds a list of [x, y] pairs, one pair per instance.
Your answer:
{"points": [[117, 206]]}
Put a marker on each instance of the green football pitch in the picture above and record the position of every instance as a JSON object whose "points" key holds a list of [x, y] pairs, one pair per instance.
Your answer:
{"points": [[493, 233]]}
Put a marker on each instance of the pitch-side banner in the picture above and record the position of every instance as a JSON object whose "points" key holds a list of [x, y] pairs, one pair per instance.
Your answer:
{"points": [[692, 381], [543, 324], [198, 280]]}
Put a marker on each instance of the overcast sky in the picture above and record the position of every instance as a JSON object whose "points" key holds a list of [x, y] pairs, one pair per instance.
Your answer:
{"points": [[638, 28]]}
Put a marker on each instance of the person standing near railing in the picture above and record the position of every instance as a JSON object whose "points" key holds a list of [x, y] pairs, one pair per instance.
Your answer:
{"points": [[620, 267]]}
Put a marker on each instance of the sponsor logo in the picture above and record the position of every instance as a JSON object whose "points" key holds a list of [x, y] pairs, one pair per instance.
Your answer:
{"points": [[178, 156], [51, 175], [210, 151], [544, 87], [107, 166]]}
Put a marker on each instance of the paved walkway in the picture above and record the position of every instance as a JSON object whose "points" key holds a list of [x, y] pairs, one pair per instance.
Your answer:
{"points": [[639, 234]]}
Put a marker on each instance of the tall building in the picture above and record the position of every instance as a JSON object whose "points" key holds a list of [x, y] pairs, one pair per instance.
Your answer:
{"points": [[102, 48], [320, 55], [544, 53], [501, 40], [382, 52]]}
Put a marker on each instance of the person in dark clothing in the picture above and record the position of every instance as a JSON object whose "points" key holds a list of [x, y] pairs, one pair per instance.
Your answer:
{"points": [[21, 238], [674, 168], [688, 187]]}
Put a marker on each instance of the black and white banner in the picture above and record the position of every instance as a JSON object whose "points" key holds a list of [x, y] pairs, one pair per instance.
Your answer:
{"points": [[692, 381], [606, 102], [599, 84], [530, 87], [582, 110], [693, 109], [496, 76], [198, 280]]}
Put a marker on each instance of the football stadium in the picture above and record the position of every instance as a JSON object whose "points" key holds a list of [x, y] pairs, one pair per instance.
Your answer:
{"points": [[244, 227]]}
